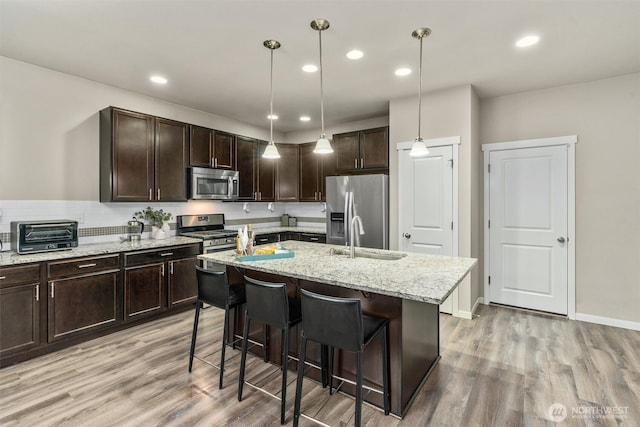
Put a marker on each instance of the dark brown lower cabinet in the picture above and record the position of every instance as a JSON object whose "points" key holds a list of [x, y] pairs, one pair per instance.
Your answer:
{"points": [[144, 290], [182, 281], [19, 308], [81, 304]]}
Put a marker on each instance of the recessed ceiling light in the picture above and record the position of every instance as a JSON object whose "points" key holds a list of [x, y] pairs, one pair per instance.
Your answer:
{"points": [[310, 68], [305, 118], [275, 117], [355, 54], [403, 71], [527, 41], [158, 79]]}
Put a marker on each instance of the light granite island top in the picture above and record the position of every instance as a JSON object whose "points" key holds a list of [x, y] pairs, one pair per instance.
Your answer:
{"points": [[418, 277]]}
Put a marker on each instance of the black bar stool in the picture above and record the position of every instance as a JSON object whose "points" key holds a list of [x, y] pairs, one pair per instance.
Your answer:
{"points": [[339, 322], [268, 303], [214, 289]]}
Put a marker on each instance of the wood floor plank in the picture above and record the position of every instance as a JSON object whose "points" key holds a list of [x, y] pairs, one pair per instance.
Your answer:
{"points": [[503, 368]]}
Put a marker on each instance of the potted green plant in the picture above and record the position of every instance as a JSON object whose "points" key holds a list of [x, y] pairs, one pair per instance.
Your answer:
{"points": [[157, 218]]}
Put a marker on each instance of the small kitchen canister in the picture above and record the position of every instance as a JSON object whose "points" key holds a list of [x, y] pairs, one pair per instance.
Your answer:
{"points": [[284, 220]]}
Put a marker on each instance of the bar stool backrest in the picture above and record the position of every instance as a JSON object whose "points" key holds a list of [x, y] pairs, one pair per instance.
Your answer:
{"points": [[213, 287], [336, 322], [267, 302]]}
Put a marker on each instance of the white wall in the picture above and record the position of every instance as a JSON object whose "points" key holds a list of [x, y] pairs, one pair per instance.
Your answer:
{"points": [[49, 130], [445, 113], [605, 115]]}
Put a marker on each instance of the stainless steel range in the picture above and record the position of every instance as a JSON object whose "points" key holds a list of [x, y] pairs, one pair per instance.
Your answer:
{"points": [[209, 228]]}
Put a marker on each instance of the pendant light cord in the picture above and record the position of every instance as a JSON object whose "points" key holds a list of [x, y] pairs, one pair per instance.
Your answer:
{"points": [[321, 87], [271, 102], [420, 90]]}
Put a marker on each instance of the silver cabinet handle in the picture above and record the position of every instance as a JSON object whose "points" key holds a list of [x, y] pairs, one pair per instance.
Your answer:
{"points": [[171, 268], [213, 162], [314, 239], [53, 285], [162, 270], [320, 195], [407, 235], [561, 239], [166, 254], [150, 194], [255, 196], [361, 163], [355, 163], [260, 195], [3, 277], [37, 292], [158, 194], [87, 265]]}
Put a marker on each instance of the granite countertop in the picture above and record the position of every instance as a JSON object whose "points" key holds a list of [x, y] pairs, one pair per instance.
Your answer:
{"points": [[419, 277], [298, 229], [12, 258]]}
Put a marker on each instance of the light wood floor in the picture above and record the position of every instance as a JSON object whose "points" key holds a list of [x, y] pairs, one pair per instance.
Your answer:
{"points": [[504, 368]]}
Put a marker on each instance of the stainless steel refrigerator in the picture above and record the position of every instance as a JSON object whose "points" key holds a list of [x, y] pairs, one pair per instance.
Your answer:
{"points": [[366, 196]]}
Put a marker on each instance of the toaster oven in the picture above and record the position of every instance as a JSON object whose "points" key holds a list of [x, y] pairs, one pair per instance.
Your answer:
{"points": [[43, 236]]}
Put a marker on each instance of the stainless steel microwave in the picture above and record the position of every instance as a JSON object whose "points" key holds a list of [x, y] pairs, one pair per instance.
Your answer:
{"points": [[43, 236], [213, 184]]}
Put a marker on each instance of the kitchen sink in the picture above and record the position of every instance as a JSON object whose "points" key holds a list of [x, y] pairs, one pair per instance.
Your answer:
{"points": [[360, 253]]}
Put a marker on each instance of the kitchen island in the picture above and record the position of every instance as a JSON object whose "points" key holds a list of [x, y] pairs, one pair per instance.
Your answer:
{"points": [[405, 288]]}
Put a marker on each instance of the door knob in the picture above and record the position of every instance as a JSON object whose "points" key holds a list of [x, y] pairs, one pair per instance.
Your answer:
{"points": [[561, 239], [407, 235]]}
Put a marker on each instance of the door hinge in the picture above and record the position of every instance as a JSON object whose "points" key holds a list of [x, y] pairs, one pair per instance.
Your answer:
{"points": [[451, 162], [452, 225], [489, 168], [489, 223], [489, 279]]}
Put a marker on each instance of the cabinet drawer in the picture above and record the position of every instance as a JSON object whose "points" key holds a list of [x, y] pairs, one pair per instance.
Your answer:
{"points": [[170, 253], [262, 239], [80, 266], [21, 274], [318, 238]]}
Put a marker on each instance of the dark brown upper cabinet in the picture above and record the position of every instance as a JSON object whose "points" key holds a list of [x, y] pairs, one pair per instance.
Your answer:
{"points": [[266, 184], [246, 165], [362, 151], [142, 157], [287, 173], [211, 148], [313, 170]]}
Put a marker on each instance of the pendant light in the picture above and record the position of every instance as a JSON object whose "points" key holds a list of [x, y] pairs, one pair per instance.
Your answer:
{"points": [[323, 145], [419, 148], [271, 151]]}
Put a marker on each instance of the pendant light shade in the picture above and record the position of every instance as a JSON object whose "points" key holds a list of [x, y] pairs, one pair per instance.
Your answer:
{"points": [[271, 151], [419, 148], [323, 145]]}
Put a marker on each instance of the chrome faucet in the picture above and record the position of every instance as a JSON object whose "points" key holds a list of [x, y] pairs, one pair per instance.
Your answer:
{"points": [[352, 250]]}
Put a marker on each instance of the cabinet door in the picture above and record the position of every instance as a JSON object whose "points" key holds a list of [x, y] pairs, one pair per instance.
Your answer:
{"points": [[266, 175], [327, 168], [182, 282], [170, 155], [245, 164], [132, 149], [346, 149], [374, 148], [263, 239], [223, 148], [19, 318], [287, 173], [80, 304], [200, 146], [144, 290], [309, 172]]}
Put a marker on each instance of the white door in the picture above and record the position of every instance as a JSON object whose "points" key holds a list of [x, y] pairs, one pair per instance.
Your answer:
{"points": [[426, 204], [528, 228]]}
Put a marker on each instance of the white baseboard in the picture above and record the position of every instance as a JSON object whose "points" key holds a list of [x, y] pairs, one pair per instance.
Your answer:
{"points": [[609, 321], [469, 314]]}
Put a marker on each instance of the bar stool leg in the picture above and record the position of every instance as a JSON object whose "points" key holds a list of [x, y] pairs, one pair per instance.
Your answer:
{"points": [[285, 358], [194, 333], [296, 408], [385, 369], [323, 365], [358, 420], [331, 353], [243, 360], [224, 344]]}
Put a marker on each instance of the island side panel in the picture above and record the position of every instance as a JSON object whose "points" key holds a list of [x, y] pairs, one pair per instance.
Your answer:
{"points": [[420, 346]]}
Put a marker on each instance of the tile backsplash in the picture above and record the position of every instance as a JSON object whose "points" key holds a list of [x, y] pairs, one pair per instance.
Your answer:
{"points": [[100, 222]]}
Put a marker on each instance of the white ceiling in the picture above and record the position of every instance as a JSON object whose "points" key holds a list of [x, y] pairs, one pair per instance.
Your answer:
{"points": [[212, 53]]}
